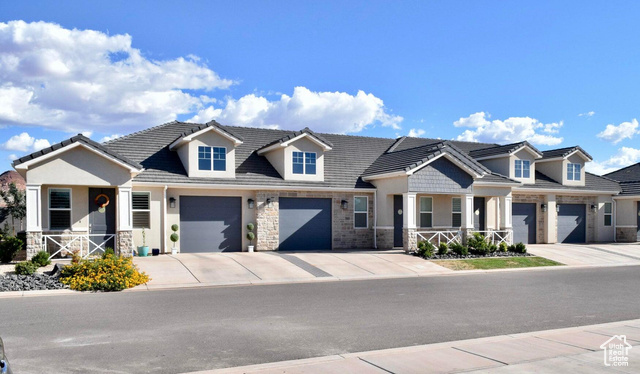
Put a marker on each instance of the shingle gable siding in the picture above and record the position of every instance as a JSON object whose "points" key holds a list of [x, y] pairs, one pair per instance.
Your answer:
{"points": [[441, 176]]}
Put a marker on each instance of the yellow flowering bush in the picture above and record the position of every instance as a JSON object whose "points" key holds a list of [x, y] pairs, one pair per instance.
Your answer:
{"points": [[108, 273]]}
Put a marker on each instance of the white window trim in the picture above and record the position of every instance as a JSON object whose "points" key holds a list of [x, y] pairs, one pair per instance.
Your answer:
{"points": [[304, 163], [454, 212], [521, 162], [572, 165], [429, 211], [211, 170], [148, 193], [60, 209], [366, 212], [607, 214]]}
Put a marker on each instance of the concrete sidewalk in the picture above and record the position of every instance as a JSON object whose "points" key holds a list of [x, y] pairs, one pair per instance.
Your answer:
{"points": [[591, 254], [567, 350]]}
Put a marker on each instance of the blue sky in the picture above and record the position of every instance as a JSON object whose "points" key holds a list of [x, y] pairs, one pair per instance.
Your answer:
{"points": [[554, 73]]}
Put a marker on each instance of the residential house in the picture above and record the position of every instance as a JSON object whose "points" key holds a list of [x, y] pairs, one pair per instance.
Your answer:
{"points": [[305, 191], [627, 203]]}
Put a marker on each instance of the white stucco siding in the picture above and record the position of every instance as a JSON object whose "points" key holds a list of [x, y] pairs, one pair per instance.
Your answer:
{"points": [[79, 167], [304, 145], [386, 188], [553, 169], [626, 212], [209, 139], [573, 159], [79, 206], [526, 156], [498, 165], [154, 232], [604, 233]]}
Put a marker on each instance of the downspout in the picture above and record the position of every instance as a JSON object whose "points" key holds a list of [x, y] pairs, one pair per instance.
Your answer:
{"points": [[164, 220], [614, 214], [375, 219]]}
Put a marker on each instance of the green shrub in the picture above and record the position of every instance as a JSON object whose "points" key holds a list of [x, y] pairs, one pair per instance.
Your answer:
{"points": [[503, 247], [174, 237], [41, 259], [459, 249], [443, 249], [108, 252], [478, 244], [512, 248], [109, 273], [493, 248], [425, 249], [520, 248], [250, 226], [9, 247], [26, 268], [174, 227]]}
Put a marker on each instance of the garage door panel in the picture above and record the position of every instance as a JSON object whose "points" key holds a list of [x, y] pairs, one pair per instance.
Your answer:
{"points": [[305, 224], [210, 224], [524, 222], [572, 223]]}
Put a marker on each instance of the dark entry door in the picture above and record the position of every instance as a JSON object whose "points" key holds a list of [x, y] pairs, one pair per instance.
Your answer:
{"points": [[572, 223], [305, 224], [210, 224], [524, 223], [102, 222], [479, 207], [397, 220], [638, 223]]}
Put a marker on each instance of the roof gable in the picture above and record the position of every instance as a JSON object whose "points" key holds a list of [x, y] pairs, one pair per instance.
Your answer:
{"points": [[198, 130], [504, 151], [294, 136], [563, 153]]}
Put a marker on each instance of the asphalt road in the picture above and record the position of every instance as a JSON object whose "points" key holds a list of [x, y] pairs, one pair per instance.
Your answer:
{"points": [[195, 329]]}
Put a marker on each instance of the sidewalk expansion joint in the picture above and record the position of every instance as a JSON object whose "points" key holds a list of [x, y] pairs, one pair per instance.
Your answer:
{"points": [[372, 364], [569, 344], [479, 355], [185, 266], [350, 263], [254, 274], [614, 253]]}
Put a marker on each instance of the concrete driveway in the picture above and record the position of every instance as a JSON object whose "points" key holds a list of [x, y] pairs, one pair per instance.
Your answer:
{"points": [[593, 254], [235, 268]]}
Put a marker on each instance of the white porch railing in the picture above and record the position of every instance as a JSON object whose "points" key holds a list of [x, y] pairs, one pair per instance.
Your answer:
{"points": [[72, 242], [496, 236], [437, 237]]}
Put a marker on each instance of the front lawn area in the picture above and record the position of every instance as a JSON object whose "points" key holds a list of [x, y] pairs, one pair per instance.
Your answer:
{"points": [[496, 263]]}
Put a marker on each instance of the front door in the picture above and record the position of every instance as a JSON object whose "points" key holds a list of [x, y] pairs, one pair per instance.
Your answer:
{"points": [[102, 218], [397, 220], [478, 213]]}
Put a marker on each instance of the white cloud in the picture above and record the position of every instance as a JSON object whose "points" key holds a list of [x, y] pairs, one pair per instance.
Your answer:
{"points": [[616, 134], [79, 80], [109, 137], [416, 133], [510, 130], [25, 143], [13, 157], [333, 112], [624, 157], [587, 114]]}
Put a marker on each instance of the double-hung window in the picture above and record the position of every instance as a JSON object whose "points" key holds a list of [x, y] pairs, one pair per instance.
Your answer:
{"points": [[360, 212], [59, 208], [608, 214], [140, 208], [212, 158], [426, 211], [304, 163], [523, 168], [456, 212], [573, 172]]}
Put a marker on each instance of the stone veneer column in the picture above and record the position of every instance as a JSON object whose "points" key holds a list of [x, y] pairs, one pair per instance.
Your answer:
{"points": [[34, 219], [124, 240], [626, 234], [267, 221], [409, 218], [34, 243], [409, 239]]}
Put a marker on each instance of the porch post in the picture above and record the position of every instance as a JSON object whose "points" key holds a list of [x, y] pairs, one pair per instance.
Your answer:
{"points": [[550, 218], [467, 216], [505, 212], [34, 219], [409, 237], [124, 233]]}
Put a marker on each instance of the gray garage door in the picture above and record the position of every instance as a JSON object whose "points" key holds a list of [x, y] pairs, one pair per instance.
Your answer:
{"points": [[210, 224], [305, 224], [572, 223], [524, 223]]}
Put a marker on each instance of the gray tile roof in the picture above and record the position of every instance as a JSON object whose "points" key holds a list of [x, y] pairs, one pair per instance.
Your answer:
{"points": [[630, 188], [501, 150], [497, 178], [563, 152], [214, 124], [592, 183], [78, 139], [627, 174], [294, 134]]}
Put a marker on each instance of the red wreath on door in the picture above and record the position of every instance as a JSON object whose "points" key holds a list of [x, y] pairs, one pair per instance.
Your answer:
{"points": [[105, 203]]}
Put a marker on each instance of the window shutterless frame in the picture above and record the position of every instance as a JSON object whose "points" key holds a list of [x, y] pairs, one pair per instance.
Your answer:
{"points": [[426, 211], [303, 162], [59, 208], [456, 212], [358, 211], [574, 172], [608, 214], [138, 212]]}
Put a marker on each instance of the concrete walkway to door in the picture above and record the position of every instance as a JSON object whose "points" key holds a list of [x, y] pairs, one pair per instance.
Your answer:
{"points": [[235, 268]]}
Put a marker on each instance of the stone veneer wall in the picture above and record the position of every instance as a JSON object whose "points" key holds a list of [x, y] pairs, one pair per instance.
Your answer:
{"points": [[409, 240], [540, 221], [591, 216], [124, 243], [34, 243], [384, 238], [626, 234], [344, 235]]}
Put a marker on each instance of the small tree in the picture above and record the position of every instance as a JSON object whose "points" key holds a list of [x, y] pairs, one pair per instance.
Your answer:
{"points": [[16, 205], [250, 235], [174, 237]]}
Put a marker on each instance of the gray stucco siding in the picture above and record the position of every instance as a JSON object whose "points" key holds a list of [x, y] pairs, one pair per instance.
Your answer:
{"points": [[441, 176]]}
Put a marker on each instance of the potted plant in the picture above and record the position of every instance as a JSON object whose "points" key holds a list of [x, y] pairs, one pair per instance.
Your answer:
{"points": [[250, 236], [174, 238], [143, 250]]}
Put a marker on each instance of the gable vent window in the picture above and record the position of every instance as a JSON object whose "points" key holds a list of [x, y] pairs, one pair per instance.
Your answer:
{"points": [[426, 212], [360, 212], [59, 209], [140, 207], [608, 214], [523, 168], [573, 172], [304, 163], [212, 158], [456, 212]]}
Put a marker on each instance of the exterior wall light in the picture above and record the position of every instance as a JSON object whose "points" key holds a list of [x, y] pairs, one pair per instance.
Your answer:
{"points": [[594, 208], [251, 203], [543, 207], [344, 204], [172, 202]]}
